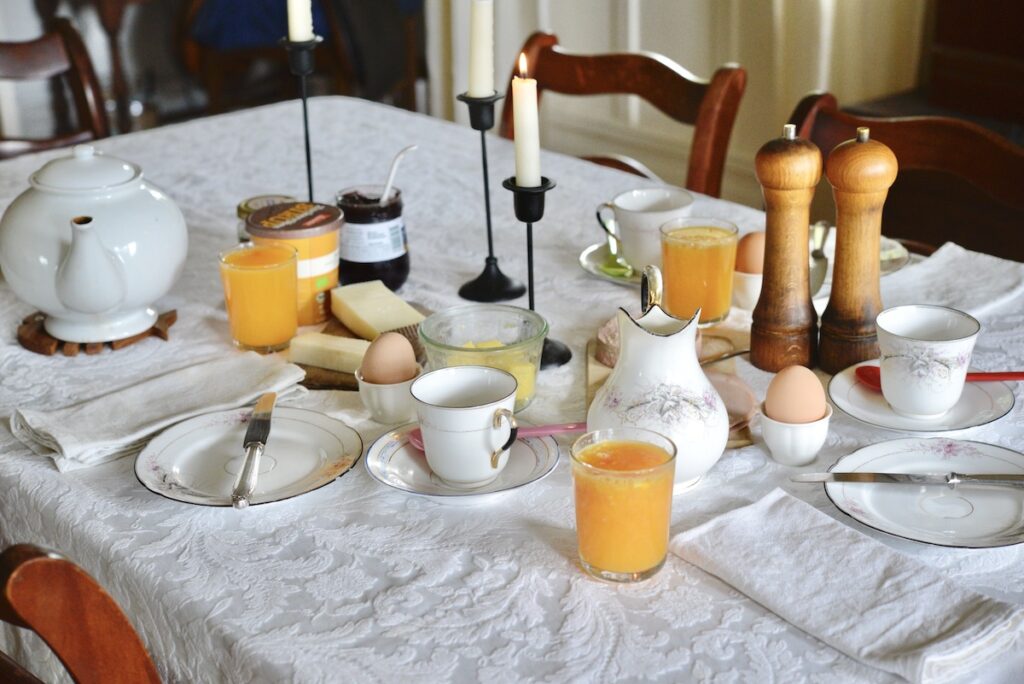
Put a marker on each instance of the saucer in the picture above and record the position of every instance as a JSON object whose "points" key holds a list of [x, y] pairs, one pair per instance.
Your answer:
{"points": [[392, 461], [594, 256], [965, 517], [196, 461], [980, 403]]}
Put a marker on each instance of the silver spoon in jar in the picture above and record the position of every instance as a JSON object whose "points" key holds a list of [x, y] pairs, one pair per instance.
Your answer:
{"points": [[391, 174]]}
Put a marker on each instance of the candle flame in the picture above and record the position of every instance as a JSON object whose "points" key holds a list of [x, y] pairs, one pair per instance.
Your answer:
{"points": [[522, 65]]}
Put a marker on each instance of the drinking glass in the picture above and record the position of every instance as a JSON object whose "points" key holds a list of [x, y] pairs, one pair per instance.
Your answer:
{"points": [[623, 481], [698, 256], [261, 294]]}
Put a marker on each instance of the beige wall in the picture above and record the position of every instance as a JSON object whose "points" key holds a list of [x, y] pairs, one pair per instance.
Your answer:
{"points": [[857, 49]]}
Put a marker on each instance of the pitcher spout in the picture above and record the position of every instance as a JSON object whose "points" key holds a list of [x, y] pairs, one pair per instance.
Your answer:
{"points": [[90, 279]]}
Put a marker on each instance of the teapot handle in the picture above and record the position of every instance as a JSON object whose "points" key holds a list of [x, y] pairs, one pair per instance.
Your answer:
{"points": [[651, 288]]}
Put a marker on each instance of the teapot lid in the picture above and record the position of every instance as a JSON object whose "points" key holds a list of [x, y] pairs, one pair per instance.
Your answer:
{"points": [[84, 169]]}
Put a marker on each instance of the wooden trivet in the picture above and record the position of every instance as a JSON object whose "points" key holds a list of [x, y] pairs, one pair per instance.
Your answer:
{"points": [[33, 336]]}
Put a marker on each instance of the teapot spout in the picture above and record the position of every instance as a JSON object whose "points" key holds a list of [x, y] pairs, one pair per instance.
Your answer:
{"points": [[90, 279]]}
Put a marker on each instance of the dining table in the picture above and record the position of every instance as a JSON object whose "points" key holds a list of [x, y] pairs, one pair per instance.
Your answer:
{"points": [[357, 581]]}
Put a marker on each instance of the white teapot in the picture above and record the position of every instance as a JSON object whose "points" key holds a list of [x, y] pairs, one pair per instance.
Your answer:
{"points": [[93, 246]]}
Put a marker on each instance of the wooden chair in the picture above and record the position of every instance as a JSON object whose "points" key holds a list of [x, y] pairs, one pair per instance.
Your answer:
{"points": [[710, 106], [79, 621], [957, 181], [58, 53]]}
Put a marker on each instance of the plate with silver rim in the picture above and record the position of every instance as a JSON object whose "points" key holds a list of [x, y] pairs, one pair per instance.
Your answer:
{"points": [[593, 260], [197, 460], [394, 462], [964, 517], [980, 403]]}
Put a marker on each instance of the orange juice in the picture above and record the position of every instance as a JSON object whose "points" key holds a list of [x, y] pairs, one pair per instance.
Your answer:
{"points": [[261, 296], [623, 494], [697, 257]]}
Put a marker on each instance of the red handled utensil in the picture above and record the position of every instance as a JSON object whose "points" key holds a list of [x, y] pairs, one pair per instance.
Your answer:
{"points": [[872, 376], [416, 437]]}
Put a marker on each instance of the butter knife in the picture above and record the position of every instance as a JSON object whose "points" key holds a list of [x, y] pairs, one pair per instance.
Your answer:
{"points": [[255, 442], [949, 479]]}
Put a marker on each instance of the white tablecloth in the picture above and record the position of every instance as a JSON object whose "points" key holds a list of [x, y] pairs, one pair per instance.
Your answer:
{"points": [[357, 582]]}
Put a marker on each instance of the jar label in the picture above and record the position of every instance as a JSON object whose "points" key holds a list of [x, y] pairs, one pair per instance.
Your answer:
{"points": [[371, 242]]}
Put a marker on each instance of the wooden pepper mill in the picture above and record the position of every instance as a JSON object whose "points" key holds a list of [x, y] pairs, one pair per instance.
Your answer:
{"points": [[860, 172], [785, 329]]}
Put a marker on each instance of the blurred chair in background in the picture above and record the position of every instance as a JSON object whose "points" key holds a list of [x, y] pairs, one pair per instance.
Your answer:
{"points": [[709, 106], [57, 54], [957, 181]]}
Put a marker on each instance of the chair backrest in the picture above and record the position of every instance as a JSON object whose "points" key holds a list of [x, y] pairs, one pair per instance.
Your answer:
{"points": [[58, 53], [78, 620], [957, 181], [709, 106]]}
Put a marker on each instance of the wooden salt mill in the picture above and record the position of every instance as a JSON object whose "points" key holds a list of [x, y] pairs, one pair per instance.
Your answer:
{"points": [[860, 172], [785, 329]]}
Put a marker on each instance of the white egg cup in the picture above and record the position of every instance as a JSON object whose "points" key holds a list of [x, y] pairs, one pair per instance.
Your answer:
{"points": [[746, 289], [388, 404], [794, 444]]}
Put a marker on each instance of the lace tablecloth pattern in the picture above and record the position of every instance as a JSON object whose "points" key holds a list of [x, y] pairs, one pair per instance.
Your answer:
{"points": [[355, 582]]}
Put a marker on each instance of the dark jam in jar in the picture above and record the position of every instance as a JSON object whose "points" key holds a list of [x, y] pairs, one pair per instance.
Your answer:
{"points": [[373, 244]]}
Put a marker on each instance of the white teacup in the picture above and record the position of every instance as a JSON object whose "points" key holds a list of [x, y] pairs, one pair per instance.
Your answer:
{"points": [[461, 411], [925, 353], [638, 216]]}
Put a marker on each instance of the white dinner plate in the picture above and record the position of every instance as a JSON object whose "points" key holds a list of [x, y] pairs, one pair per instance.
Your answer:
{"points": [[594, 256], [392, 461], [980, 403], [197, 461], [966, 517]]}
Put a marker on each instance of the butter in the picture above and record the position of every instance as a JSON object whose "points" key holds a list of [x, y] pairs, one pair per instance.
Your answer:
{"points": [[517, 362]]}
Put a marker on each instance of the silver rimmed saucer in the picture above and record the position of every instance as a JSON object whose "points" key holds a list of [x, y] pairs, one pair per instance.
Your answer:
{"points": [[594, 257]]}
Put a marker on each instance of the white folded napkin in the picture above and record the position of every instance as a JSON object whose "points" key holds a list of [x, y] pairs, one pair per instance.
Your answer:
{"points": [[855, 594], [956, 277], [118, 424]]}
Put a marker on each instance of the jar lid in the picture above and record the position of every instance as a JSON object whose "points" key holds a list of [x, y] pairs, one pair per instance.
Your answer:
{"points": [[248, 206], [293, 220], [85, 169]]}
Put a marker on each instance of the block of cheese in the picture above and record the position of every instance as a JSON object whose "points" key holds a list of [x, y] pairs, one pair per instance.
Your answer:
{"points": [[369, 309], [342, 354]]}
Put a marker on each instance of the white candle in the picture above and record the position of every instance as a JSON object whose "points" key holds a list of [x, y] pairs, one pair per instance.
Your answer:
{"points": [[300, 20], [527, 129], [481, 48]]}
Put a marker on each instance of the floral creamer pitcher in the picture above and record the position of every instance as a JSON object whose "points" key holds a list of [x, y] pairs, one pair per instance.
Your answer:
{"points": [[658, 384]]}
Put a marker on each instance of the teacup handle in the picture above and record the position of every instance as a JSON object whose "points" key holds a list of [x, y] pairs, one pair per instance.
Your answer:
{"points": [[651, 287], [504, 413], [607, 223]]}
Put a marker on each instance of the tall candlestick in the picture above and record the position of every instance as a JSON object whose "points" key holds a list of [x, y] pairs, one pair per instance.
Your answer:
{"points": [[527, 128], [300, 20], [481, 48]]}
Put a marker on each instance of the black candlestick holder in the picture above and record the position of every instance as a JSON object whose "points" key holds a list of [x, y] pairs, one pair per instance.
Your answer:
{"points": [[491, 285], [529, 206], [302, 62]]}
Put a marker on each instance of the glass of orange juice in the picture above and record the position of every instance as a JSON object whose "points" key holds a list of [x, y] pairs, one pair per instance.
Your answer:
{"points": [[697, 259], [623, 481], [261, 293]]}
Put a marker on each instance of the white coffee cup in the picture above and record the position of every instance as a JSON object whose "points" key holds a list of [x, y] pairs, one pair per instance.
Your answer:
{"points": [[925, 354], [465, 415], [638, 216]]}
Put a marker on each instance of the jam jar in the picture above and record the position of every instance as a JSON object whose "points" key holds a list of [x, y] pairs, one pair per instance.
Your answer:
{"points": [[373, 242]]}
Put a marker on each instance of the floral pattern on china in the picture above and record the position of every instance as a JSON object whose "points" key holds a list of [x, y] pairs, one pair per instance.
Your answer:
{"points": [[926, 364], [658, 384]]}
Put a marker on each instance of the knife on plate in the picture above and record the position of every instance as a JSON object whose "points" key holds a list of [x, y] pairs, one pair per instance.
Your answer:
{"points": [[952, 480], [254, 443]]}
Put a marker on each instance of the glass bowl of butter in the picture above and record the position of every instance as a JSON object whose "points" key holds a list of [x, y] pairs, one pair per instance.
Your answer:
{"points": [[495, 335]]}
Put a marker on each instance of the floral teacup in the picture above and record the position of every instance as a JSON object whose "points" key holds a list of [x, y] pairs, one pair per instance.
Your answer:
{"points": [[925, 352]]}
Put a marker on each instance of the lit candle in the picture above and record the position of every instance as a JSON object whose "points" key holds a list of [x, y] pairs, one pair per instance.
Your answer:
{"points": [[300, 20], [481, 48], [527, 129]]}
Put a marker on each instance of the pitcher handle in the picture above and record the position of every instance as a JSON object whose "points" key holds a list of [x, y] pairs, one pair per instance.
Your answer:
{"points": [[651, 288], [605, 224], [499, 415]]}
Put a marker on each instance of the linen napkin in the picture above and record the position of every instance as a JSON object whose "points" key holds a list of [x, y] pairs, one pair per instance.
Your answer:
{"points": [[940, 279], [119, 424], [855, 594]]}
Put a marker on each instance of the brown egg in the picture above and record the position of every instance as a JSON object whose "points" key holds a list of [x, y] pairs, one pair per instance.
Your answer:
{"points": [[795, 396], [388, 360], [750, 253]]}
